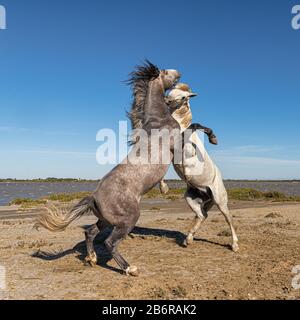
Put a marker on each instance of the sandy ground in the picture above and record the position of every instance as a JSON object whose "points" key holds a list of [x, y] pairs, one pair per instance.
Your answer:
{"points": [[44, 265]]}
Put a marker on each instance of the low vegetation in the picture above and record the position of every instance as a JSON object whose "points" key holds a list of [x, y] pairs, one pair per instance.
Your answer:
{"points": [[249, 194], [27, 203], [173, 194], [60, 197], [244, 194], [67, 197]]}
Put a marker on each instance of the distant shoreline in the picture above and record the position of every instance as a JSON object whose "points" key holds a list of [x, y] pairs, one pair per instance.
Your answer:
{"points": [[11, 190]]}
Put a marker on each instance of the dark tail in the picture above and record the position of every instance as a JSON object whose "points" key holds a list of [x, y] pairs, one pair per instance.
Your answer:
{"points": [[56, 219]]}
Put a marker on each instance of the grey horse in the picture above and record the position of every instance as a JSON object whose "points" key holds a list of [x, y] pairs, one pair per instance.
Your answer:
{"points": [[116, 200]]}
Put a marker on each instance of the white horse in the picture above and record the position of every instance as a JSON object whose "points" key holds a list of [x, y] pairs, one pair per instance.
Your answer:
{"points": [[205, 186]]}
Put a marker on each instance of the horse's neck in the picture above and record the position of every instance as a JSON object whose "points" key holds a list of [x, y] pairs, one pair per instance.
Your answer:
{"points": [[155, 105], [183, 116]]}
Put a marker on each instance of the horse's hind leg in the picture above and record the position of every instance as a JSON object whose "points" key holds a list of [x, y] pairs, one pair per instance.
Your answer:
{"points": [[90, 234], [120, 232], [226, 213], [200, 203]]}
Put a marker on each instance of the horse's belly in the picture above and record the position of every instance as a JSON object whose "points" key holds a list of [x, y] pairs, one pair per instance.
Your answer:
{"points": [[196, 172]]}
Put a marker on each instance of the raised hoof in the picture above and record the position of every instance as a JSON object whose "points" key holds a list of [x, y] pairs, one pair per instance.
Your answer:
{"points": [[213, 140], [90, 260], [235, 247], [132, 271]]}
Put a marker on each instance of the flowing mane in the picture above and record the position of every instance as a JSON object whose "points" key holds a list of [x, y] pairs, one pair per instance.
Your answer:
{"points": [[139, 80]]}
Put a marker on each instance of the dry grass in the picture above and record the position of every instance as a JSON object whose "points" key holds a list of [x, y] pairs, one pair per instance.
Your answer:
{"points": [[60, 197], [27, 203], [67, 197], [173, 194], [249, 194]]}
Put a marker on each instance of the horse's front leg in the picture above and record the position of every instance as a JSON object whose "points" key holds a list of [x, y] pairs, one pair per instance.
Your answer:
{"points": [[208, 131], [212, 138], [163, 187]]}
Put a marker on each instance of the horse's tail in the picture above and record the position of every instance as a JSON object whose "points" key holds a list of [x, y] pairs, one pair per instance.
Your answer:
{"points": [[57, 219]]}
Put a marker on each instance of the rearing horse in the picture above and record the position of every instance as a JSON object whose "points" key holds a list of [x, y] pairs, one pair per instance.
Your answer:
{"points": [[116, 200], [205, 186]]}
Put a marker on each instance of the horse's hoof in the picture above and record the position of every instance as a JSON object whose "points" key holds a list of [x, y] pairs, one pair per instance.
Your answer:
{"points": [[132, 271], [188, 241], [91, 260], [213, 141], [235, 247]]}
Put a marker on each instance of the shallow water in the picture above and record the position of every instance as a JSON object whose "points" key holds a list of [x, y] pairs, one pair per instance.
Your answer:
{"points": [[12, 190], [34, 190]]}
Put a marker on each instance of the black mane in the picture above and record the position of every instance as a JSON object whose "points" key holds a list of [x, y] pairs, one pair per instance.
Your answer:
{"points": [[139, 80]]}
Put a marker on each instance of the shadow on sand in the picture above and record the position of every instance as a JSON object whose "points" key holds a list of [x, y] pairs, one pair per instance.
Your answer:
{"points": [[104, 256]]}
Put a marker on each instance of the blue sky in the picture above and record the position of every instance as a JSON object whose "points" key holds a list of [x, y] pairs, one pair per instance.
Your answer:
{"points": [[62, 64]]}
